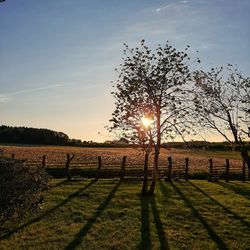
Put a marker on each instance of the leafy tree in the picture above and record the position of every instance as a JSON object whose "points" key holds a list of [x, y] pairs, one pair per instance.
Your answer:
{"points": [[151, 103], [222, 104]]}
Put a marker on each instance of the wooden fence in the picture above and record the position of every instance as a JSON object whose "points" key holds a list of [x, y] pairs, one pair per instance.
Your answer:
{"points": [[96, 167], [227, 172]]}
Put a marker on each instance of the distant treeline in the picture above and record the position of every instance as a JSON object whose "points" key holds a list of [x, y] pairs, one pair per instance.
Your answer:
{"points": [[38, 136], [203, 145], [24, 135]]}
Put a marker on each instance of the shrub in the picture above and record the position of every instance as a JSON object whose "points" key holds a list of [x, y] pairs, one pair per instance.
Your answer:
{"points": [[21, 187]]}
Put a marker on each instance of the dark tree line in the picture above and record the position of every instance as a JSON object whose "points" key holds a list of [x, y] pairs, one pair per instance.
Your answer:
{"points": [[26, 135], [203, 145]]}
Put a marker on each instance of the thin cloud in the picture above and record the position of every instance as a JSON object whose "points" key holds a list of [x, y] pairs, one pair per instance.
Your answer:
{"points": [[4, 99], [170, 5], [24, 91], [164, 7]]}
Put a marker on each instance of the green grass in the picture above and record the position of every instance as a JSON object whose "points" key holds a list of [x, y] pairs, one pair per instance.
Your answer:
{"points": [[108, 214]]}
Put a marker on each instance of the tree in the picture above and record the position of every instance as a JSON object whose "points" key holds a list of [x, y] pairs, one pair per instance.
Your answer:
{"points": [[151, 103], [222, 104]]}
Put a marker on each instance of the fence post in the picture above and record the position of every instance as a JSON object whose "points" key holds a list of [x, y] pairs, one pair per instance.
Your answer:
{"points": [[98, 168], [248, 175], [210, 170], [169, 176], [243, 171], [186, 168], [44, 161], [69, 159], [227, 170], [123, 165]]}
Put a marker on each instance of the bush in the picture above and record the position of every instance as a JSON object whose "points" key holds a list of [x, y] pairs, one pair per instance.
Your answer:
{"points": [[21, 187]]}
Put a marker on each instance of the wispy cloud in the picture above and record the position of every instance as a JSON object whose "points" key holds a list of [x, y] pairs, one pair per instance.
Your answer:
{"points": [[35, 89], [6, 97], [164, 7], [170, 5], [3, 99]]}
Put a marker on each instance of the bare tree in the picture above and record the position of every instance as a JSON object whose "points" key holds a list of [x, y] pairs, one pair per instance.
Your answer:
{"points": [[151, 103], [222, 104]]}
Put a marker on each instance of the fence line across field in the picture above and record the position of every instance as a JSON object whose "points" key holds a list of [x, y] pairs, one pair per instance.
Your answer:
{"points": [[105, 167]]}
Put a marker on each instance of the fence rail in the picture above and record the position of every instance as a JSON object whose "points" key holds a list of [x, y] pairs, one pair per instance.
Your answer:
{"points": [[100, 167]]}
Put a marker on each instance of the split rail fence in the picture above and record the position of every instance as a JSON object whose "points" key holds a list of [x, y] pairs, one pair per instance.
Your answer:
{"points": [[100, 167]]}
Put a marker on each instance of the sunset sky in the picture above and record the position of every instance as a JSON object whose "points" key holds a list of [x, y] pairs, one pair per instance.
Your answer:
{"points": [[57, 58]]}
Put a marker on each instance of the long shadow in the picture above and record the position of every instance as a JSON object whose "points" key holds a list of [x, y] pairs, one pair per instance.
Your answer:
{"points": [[145, 243], [84, 230], [46, 213], [59, 184], [158, 224], [145, 225], [238, 189], [220, 243], [222, 206]]}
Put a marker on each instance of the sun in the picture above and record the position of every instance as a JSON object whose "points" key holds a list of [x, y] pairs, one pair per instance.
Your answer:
{"points": [[146, 121]]}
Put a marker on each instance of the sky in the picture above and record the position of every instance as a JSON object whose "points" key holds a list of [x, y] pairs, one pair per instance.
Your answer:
{"points": [[58, 58]]}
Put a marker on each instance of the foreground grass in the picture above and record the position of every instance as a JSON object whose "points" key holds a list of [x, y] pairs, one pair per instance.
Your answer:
{"points": [[108, 214]]}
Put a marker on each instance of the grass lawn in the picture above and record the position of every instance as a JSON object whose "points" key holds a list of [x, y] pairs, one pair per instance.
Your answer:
{"points": [[109, 214]]}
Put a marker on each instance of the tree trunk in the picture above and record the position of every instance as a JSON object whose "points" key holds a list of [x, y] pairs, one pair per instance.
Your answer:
{"points": [[245, 156], [157, 151], [155, 172], [145, 175]]}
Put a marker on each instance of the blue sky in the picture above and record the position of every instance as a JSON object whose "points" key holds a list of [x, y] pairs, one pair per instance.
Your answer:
{"points": [[57, 58]]}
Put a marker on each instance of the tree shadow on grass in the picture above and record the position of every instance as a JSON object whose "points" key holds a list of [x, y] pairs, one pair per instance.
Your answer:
{"points": [[220, 243], [158, 224], [145, 243], [245, 223], [145, 225], [85, 229], [237, 188], [46, 213], [60, 183]]}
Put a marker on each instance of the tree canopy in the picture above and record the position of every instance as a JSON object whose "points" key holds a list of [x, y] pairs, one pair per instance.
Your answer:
{"points": [[222, 104], [152, 84], [151, 87]]}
